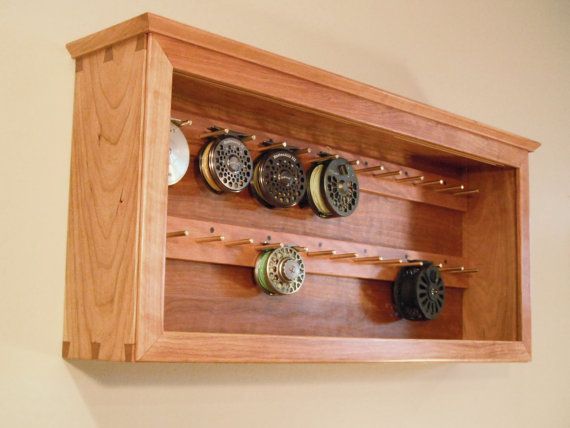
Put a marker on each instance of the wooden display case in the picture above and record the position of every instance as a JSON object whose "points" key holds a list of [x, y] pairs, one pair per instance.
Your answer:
{"points": [[134, 295]]}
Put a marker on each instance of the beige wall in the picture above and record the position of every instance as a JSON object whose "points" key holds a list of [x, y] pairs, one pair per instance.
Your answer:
{"points": [[504, 63]]}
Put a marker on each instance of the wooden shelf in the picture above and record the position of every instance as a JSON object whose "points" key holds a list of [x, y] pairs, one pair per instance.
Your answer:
{"points": [[132, 294]]}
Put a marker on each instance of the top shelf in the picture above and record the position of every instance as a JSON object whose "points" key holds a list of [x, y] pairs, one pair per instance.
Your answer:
{"points": [[352, 100]]}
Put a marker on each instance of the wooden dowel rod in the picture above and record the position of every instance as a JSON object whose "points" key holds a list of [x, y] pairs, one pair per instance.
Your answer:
{"points": [[344, 256], [387, 174], [304, 151], [281, 145], [409, 179], [388, 261], [214, 238], [239, 242], [177, 233], [300, 249], [467, 271], [370, 169], [248, 138], [440, 182], [466, 192], [264, 247], [324, 158], [404, 264], [367, 259], [215, 133], [321, 253], [452, 269], [354, 162], [180, 122], [450, 189]]}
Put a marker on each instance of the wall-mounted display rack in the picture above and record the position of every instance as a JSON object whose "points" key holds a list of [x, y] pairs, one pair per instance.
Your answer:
{"points": [[228, 204]]}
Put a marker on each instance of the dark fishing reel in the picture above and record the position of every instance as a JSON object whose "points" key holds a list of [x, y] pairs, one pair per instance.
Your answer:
{"points": [[278, 179], [226, 164], [333, 189], [279, 271], [419, 292]]}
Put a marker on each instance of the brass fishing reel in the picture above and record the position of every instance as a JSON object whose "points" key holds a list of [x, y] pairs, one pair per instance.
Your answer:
{"points": [[333, 189], [225, 164], [280, 271], [278, 179], [419, 292]]}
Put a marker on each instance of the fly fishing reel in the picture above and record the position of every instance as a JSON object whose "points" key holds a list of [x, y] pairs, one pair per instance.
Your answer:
{"points": [[278, 179], [419, 292], [280, 271], [225, 164], [178, 152], [333, 188]]}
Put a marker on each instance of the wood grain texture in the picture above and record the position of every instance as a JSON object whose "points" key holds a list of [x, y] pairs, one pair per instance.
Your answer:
{"points": [[104, 203], [327, 102], [188, 35], [523, 265], [202, 297], [249, 348], [490, 238], [186, 248], [154, 196]]}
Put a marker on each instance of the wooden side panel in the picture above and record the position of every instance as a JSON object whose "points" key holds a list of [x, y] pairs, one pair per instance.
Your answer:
{"points": [[154, 197], [203, 297], [105, 186], [490, 240]]}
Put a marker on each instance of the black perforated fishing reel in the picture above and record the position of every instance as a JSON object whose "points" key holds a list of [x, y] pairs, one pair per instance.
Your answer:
{"points": [[278, 179], [333, 188], [419, 292], [226, 164], [280, 271]]}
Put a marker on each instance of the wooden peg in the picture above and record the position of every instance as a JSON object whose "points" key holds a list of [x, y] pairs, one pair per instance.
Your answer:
{"points": [[344, 256], [213, 238], [304, 151], [177, 233], [324, 158], [321, 253], [248, 138], [180, 123], [450, 189], [300, 249], [367, 259], [215, 133], [474, 270], [410, 179], [239, 242], [440, 182], [370, 169], [404, 264], [466, 192], [387, 174], [264, 247], [354, 162], [263, 148], [388, 261], [451, 269]]}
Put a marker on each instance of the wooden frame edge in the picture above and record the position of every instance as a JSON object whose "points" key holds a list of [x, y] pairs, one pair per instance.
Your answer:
{"points": [[245, 348]]}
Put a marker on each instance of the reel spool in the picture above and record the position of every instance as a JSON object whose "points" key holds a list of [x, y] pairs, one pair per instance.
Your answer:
{"points": [[333, 189], [226, 165], [178, 155], [278, 179], [419, 292], [280, 271]]}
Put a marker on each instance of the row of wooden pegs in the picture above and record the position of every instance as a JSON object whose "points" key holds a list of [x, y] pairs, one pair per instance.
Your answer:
{"points": [[331, 254], [377, 171]]}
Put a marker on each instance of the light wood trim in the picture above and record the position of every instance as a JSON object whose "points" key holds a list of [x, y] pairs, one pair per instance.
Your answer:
{"points": [[152, 23], [154, 195], [104, 203], [523, 229], [209, 347]]}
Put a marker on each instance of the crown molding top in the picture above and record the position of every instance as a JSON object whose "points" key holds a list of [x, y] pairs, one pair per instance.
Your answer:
{"points": [[150, 23]]}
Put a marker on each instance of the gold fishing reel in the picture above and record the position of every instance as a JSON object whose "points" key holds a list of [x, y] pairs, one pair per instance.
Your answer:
{"points": [[333, 189], [280, 271], [225, 164]]}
